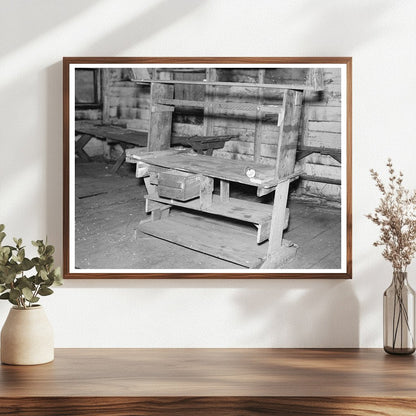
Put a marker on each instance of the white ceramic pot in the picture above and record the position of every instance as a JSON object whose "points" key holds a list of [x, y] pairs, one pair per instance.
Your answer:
{"points": [[27, 337]]}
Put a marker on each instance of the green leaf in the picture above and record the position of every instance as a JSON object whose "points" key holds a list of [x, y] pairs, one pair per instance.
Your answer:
{"points": [[27, 293], [43, 274], [26, 264], [24, 282], [9, 277], [5, 295], [49, 250], [45, 291], [2, 227], [5, 250], [58, 280], [13, 302], [48, 260], [18, 242], [38, 280], [21, 255], [15, 294], [2, 236], [2, 288], [4, 257]]}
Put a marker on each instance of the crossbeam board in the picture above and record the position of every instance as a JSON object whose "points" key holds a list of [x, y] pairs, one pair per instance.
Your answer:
{"points": [[231, 170], [252, 212], [300, 87], [210, 236], [244, 107], [118, 134]]}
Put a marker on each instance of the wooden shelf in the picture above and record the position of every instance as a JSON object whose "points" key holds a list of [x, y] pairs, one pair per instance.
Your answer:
{"points": [[225, 106], [224, 382], [239, 209], [300, 87], [212, 236]]}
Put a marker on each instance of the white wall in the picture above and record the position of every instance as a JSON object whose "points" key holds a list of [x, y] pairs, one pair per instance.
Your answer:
{"points": [[380, 35]]}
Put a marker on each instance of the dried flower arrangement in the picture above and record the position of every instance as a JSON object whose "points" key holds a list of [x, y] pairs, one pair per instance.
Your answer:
{"points": [[396, 217]]}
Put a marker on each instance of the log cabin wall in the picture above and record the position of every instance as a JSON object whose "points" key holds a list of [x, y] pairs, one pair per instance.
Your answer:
{"points": [[127, 104], [322, 128]]}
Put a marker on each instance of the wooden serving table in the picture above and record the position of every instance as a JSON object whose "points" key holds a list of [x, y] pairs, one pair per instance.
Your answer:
{"points": [[212, 382]]}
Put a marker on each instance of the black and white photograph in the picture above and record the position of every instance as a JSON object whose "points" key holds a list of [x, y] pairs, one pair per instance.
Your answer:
{"points": [[214, 168]]}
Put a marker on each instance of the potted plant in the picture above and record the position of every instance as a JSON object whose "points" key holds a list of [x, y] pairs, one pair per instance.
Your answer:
{"points": [[396, 217], [27, 336]]}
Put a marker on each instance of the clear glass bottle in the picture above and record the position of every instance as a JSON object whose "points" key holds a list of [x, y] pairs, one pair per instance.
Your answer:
{"points": [[399, 316]]}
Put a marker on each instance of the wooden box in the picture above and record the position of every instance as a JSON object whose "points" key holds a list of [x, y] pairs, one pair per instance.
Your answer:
{"points": [[175, 184]]}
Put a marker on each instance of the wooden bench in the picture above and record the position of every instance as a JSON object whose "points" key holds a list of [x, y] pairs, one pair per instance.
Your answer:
{"points": [[111, 134], [132, 138]]}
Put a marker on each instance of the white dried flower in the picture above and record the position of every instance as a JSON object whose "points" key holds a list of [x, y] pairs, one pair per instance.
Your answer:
{"points": [[396, 217]]}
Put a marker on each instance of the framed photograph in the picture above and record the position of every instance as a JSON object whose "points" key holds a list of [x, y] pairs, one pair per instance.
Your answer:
{"points": [[207, 167]]}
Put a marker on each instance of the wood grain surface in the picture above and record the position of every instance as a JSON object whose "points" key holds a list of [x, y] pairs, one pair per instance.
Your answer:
{"points": [[208, 381]]}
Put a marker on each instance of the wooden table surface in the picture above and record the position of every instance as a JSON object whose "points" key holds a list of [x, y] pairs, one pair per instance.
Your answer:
{"points": [[212, 381]]}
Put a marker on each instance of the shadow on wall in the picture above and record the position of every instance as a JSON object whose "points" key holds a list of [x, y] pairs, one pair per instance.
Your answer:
{"points": [[155, 19], [147, 24], [337, 18], [301, 313], [45, 15]]}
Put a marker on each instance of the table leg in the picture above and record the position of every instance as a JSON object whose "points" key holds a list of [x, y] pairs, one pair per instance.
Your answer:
{"points": [[79, 147]]}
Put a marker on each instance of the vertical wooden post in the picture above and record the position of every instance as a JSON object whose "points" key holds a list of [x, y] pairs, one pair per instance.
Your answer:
{"points": [[289, 133], [211, 75], [259, 116], [316, 78], [224, 191], [160, 124], [105, 91], [207, 187], [277, 253], [278, 218]]}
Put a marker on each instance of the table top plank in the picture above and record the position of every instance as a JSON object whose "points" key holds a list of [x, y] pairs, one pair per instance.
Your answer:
{"points": [[275, 373], [215, 167]]}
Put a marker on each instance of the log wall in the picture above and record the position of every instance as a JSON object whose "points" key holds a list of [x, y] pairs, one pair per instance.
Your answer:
{"points": [[128, 106], [322, 128]]}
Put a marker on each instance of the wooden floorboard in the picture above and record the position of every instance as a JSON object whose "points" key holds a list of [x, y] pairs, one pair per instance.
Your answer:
{"points": [[111, 207], [324, 245]]}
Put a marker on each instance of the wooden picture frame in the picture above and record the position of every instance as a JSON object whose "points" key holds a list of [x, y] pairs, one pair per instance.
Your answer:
{"points": [[315, 94]]}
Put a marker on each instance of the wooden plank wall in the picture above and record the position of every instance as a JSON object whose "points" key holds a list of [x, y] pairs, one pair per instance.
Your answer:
{"points": [[322, 127], [129, 107]]}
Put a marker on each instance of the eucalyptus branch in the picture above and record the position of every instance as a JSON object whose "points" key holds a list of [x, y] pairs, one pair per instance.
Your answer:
{"points": [[16, 284]]}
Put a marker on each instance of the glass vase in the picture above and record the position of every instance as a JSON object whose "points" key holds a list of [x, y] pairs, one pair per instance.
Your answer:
{"points": [[399, 316]]}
